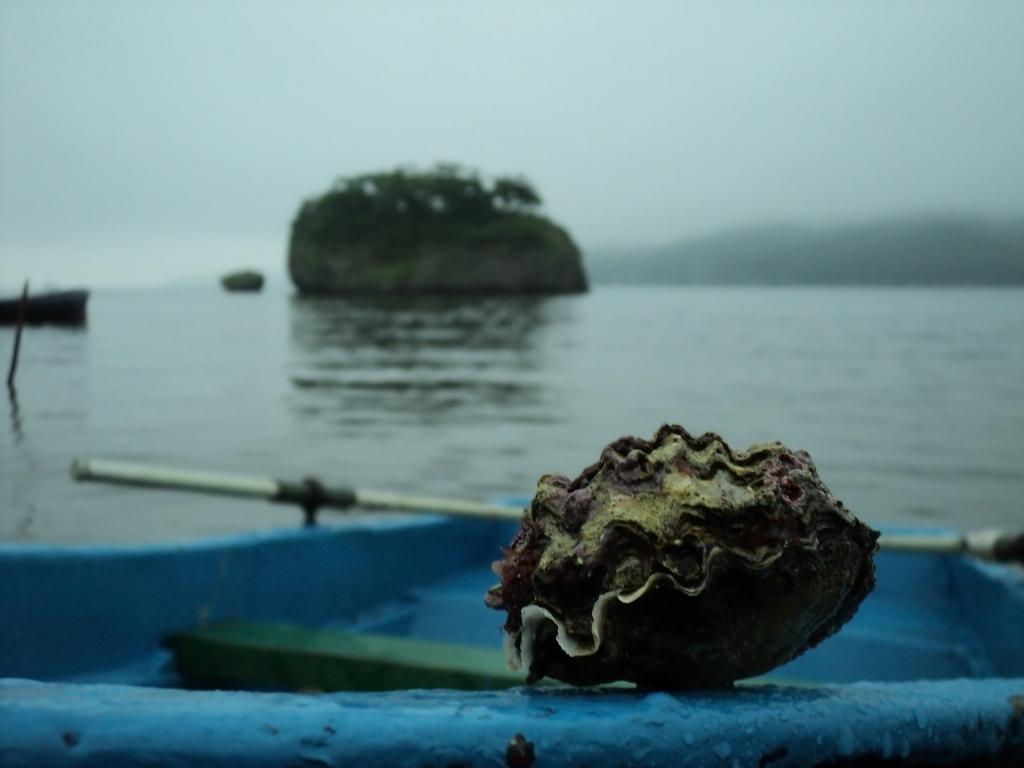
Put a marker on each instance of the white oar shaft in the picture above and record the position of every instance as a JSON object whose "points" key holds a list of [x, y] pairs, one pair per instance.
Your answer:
{"points": [[917, 543], [174, 479], [987, 544], [410, 503]]}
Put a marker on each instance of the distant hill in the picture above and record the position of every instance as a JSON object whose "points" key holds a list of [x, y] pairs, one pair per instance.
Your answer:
{"points": [[930, 250]]}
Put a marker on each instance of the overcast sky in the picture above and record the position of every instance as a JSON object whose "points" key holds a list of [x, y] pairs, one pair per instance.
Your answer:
{"points": [[146, 142]]}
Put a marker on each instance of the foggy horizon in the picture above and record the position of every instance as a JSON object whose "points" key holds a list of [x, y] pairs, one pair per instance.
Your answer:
{"points": [[151, 143]]}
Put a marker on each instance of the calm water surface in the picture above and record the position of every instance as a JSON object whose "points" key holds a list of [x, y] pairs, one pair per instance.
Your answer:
{"points": [[910, 401]]}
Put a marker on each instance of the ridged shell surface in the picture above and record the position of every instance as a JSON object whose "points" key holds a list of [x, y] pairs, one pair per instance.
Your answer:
{"points": [[677, 562]]}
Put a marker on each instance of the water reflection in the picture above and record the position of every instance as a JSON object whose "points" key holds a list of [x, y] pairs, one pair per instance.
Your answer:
{"points": [[371, 361]]}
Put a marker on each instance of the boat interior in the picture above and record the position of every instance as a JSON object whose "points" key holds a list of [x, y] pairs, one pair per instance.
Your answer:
{"points": [[396, 602]]}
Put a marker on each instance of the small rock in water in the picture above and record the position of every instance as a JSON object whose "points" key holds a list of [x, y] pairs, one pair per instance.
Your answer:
{"points": [[677, 562], [246, 280]]}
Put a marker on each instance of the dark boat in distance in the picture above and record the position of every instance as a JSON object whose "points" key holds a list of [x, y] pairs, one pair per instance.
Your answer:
{"points": [[52, 307]]}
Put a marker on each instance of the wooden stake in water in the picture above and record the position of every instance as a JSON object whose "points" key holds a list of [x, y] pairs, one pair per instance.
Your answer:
{"points": [[17, 337]]}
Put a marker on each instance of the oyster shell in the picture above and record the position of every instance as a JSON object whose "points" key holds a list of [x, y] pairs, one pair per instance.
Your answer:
{"points": [[680, 563]]}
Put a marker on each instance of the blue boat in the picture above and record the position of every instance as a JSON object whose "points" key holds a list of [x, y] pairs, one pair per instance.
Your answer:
{"points": [[113, 656]]}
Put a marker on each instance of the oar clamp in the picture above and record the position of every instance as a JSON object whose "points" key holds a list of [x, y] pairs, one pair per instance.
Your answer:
{"points": [[311, 495], [313, 499]]}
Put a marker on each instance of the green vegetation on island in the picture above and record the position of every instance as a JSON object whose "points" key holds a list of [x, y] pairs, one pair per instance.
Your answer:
{"points": [[439, 231], [920, 250]]}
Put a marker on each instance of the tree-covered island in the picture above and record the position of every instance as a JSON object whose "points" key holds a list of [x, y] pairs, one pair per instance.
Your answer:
{"points": [[446, 230]]}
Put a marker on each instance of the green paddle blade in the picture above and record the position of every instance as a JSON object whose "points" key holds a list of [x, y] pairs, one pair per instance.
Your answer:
{"points": [[240, 654]]}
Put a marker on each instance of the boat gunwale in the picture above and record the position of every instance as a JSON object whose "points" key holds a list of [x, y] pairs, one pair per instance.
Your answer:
{"points": [[910, 723]]}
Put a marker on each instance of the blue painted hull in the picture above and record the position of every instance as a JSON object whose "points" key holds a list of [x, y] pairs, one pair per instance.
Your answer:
{"points": [[937, 648]]}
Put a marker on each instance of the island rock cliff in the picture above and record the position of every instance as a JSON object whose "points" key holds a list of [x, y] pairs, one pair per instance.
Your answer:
{"points": [[442, 231]]}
